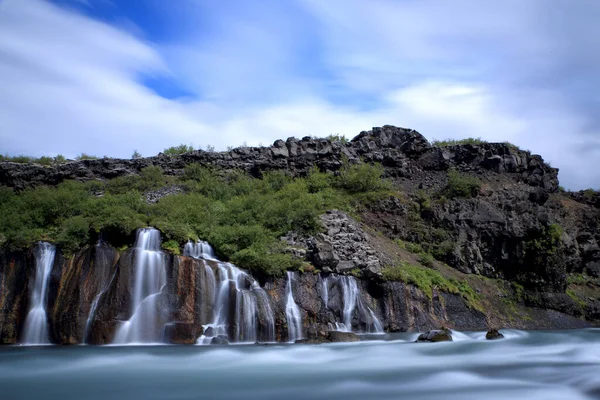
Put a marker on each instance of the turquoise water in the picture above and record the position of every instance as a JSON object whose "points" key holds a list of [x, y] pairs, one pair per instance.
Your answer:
{"points": [[526, 365]]}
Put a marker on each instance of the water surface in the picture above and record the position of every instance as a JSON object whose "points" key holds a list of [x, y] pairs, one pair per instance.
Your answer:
{"points": [[526, 365]]}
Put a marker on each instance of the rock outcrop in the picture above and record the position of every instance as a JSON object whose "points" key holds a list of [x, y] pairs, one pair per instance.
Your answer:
{"points": [[542, 245]]}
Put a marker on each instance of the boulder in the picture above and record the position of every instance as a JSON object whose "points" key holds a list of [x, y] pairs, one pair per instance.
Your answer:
{"points": [[338, 336], [219, 340], [493, 334], [438, 335]]}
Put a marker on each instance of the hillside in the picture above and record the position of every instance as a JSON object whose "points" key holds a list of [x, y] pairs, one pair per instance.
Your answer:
{"points": [[469, 236]]}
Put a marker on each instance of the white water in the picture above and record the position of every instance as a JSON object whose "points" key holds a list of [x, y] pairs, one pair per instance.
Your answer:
{"points": [[90, 318], [352, 299], [238, 289], [292, 312], [35, 330], [199, 249], [150, 277], [325, 291]]}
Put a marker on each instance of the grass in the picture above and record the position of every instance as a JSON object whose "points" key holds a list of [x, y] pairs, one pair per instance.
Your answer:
{"points": [[241, 216], [456, 142], [427, 280]]}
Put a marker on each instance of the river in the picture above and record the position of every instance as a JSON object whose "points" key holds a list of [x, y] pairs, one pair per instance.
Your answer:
{"points": [[529, 365]]}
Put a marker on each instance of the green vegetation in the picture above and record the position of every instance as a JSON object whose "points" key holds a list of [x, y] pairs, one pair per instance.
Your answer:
{"points": [[589, 193], [84, 156], [363, 178], [428, 279], [136, 155], [544, 242], [242, 217], [176, 150], [571, 293], [461, 185], [456, 142], [59, 159], [337, 138]]}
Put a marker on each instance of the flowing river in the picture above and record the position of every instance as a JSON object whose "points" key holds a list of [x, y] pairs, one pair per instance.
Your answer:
{"points": [[561, 365]]}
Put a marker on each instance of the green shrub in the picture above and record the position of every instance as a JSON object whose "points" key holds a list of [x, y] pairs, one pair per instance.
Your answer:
{"points": [[362, 178], [84, 156], [460, 185], [337, 138], [176, 150], [426, 259], [172, 246], [456, 142]]}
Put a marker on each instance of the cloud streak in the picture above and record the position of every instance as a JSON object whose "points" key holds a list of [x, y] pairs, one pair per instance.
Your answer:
{"points": [[512, 70]]}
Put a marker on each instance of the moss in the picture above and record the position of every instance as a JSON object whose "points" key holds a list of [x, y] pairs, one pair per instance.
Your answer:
{"points": [[427, 280], [573, 295], [356, 272]]}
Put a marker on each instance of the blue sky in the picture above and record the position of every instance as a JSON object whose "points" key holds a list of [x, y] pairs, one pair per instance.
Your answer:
{"points": [[108, 77]]}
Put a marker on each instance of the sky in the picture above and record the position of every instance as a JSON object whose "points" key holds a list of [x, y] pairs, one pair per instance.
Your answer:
{"points": [[107, 77]]}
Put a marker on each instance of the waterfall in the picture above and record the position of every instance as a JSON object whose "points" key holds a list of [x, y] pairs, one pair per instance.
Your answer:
{"points": [[90, 318], [150, 277], [352, 299], [325, 291], [292, 312], [199, 249], [35, 330], [241, 308]]}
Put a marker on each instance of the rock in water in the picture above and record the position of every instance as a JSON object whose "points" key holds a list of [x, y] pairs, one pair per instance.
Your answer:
{"points": [[219, 340], [438, 335], [493, 334], [337, 336]]}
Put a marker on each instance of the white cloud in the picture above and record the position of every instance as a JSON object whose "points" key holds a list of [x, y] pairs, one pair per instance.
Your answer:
{"points": [[71, 84]]}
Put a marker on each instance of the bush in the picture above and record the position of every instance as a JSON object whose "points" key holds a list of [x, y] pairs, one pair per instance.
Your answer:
{"points": [[362, 178], [176, 150], [84, 156], [426, 259], [460, 185], [456, 142]]}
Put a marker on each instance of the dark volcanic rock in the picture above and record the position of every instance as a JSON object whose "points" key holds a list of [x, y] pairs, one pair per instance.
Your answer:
{"points": [[441, 335], [337, 336], [493, 334], [219, 340]]}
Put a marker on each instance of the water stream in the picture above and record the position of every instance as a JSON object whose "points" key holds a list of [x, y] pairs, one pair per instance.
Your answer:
{"points": [[35, 330], [292, 312]]}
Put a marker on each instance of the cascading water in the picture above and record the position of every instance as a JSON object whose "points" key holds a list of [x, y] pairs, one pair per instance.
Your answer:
{"points": [[199, 249], [150, 277], [292, 312], [352, 299], [325, 291], [35, 330], [241, 308]]}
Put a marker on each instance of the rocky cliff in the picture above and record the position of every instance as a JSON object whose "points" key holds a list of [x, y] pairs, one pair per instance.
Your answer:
{"points": [[514, 252]]}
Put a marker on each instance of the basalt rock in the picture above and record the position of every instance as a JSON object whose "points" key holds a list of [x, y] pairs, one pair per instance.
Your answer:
{"points": [[493, 334], [337, 336], [403, 152], [440, 335]]}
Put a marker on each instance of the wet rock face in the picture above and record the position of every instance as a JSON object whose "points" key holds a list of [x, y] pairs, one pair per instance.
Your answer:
{"points": [[14, 294], [441, 335]]}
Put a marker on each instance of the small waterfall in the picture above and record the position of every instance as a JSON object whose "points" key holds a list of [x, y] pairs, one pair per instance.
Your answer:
{"points": [[199, 249], [242, 310], [150, 277], [325, 291], [352, 299], [292, 312], [90, 318], [35, 330]]}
